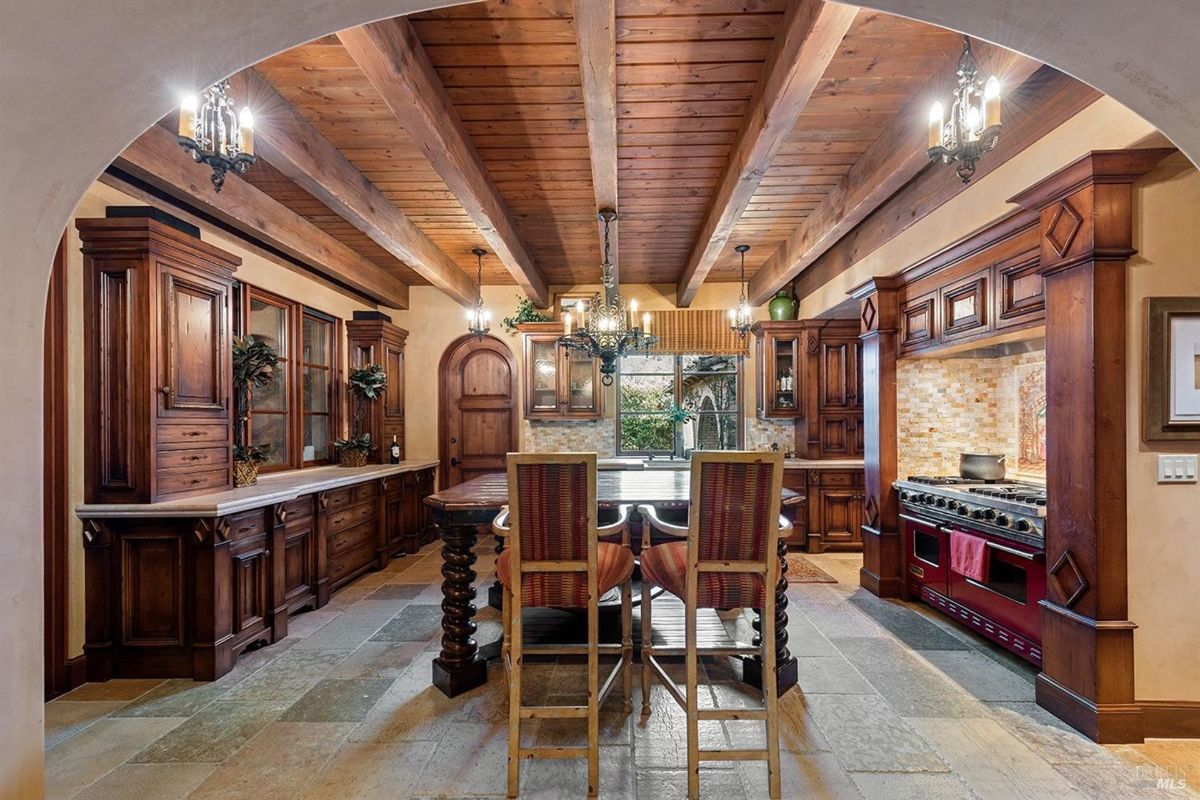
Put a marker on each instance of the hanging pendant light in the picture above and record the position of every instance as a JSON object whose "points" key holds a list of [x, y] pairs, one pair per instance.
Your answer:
{"points": [[740, 318], [479, 319], [607, 329], [216, 134], [974, 124]]}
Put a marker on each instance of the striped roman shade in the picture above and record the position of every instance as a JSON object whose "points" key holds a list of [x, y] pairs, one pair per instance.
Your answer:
{"points": [[687, 331]]}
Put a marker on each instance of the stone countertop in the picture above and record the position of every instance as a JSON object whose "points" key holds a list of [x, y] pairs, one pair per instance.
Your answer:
{"points": [[270, 489], [664, 463], [823, 463]]}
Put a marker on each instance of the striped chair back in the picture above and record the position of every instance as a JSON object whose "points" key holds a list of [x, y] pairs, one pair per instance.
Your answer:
{"points": [[733, 528], [552, 511]]}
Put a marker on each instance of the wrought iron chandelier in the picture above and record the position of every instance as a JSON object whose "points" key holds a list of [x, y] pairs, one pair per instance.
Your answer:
{"points": [[216, 134], [974, 124], [479, 319], [740, 317], [607, 329]]}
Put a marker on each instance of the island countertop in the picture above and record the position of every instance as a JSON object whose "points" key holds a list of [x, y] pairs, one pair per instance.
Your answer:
{"points": [[270, 489]]}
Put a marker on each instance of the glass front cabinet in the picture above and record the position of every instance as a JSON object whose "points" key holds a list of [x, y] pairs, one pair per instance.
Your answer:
{"points": [[558, 383], [779, 359]]}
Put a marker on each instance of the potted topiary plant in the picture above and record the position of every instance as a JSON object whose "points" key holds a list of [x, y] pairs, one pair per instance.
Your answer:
{"points": [[526, 312], [254, 363], [366, 385], [679, 415]]}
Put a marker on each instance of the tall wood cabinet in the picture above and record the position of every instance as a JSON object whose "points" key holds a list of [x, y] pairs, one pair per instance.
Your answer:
{"points": [[158, 361], [559, 384], [375, 340], [810, 371]]}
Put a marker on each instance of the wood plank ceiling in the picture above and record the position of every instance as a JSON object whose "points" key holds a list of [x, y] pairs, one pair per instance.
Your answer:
{"points": [[685, 72]]}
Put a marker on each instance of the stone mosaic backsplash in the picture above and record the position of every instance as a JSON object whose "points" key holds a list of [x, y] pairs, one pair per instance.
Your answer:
{"points": [[543, 436], [974, 405]]}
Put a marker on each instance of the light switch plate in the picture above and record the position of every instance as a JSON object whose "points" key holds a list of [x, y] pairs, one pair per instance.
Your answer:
{"points": [[1177, 469]]}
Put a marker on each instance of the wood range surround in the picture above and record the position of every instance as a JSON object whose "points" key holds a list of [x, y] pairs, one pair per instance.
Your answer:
{"points": [[1056, 265]]}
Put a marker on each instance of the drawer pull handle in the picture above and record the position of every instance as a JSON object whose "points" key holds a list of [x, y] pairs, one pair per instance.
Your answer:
{"points": [[193, 434], [193, 458]]}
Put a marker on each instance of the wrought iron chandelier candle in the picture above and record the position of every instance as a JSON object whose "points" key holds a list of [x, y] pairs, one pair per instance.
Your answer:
{"points": [[740, 317], [479, 319], [606, 328], [974, 124], [216, 134]]}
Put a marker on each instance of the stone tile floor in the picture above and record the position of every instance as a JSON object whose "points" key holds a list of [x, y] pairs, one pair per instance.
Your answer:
{"points": [[895, 703]]}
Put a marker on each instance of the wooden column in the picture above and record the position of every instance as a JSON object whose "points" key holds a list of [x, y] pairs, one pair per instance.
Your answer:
{"points": [[1087, 640], [879, 308]]}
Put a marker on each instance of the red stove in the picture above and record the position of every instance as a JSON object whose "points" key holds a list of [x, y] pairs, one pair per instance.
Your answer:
{"points": [[1001, 601]]}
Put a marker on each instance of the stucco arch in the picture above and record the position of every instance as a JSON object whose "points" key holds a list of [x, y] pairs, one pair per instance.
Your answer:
{"points": [[79, 81]]}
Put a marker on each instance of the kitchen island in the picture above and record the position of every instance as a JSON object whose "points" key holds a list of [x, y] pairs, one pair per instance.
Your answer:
{"points": [[180, 588]]}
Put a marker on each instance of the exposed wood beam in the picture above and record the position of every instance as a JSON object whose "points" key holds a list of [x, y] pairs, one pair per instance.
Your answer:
{"points": [[390, 55], [156, 158], [892, 160], [596, 37], [294, 147], [809, 38], [1047, 100]]}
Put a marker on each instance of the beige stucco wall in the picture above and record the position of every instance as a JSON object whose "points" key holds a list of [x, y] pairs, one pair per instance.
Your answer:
{"points": [[1164, 520], [1164, 549]]}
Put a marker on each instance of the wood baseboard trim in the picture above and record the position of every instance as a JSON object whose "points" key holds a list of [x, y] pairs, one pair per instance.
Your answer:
{"points": [[1170, 719], [1107, 724], [76, 671], [880, 586]]}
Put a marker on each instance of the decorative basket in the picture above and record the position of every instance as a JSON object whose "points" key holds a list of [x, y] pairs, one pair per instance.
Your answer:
{"points": [[245, 473], [352, 458]]}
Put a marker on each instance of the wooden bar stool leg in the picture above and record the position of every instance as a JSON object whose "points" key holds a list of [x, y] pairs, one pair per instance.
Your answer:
{"points": [[514, 696], [647, 648], [627, 644], [593, 679], [770, 695], [690, 677], [505, 639]]}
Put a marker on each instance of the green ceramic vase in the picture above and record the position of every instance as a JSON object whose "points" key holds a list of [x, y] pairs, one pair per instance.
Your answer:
{"points": [[783, 306]]}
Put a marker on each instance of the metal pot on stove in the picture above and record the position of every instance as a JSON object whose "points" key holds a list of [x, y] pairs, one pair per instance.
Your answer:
{"points": [[981, 466]]}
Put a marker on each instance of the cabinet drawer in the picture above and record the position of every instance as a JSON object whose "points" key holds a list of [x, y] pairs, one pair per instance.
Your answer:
{"points": [[247, 524], [796, 480], [300, 508], [350, 538], [350, 561], [363, 492], [192, 481], [193, 435], [964, 308], [338, 498], [348, 517], [193, 459], [838, 477]]}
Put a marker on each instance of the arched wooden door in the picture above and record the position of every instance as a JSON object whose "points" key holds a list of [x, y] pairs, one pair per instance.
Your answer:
{"points": [[478, 421]]}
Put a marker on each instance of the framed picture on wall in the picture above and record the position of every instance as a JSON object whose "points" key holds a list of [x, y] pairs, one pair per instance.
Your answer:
{"points": [[1171, 376], [565, 301]]}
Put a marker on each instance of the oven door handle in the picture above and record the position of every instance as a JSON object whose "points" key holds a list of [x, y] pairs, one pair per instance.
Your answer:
{"points": [[1014, 552], [926, 522]]}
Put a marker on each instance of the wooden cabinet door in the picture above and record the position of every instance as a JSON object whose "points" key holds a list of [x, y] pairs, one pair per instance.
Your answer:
{"points": [[1020, 290], [300, 564], [838, 435], [782, 378], [965, 309], [918, 322], [250, 573], [579, 385], [841, 516], [194, 345], [543, 363], [834, 367]]}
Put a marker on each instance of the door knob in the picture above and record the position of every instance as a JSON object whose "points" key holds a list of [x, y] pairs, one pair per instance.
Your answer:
{"points": [[454, 462], [165, 390]]}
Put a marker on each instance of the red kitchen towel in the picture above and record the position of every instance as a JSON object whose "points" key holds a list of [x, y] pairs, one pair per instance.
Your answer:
{"points": [[968, 555]]}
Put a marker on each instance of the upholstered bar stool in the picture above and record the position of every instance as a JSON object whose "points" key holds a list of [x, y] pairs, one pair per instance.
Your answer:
{"points": [[554, 558], [725, 557]]}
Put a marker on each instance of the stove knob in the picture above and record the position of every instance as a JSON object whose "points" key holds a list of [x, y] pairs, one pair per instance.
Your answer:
{"points": [[989, 514], [977, 514], [940, 502], [952, 505], [903, 495], [964, 510], [1002, 520], [1023, 525]]}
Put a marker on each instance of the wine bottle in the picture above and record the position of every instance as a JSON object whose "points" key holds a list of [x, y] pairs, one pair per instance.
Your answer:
{"points": [[395, 450]]}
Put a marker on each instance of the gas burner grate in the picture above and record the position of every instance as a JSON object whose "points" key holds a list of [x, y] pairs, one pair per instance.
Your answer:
{"points": [[945, 480], [1016, 494]]}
